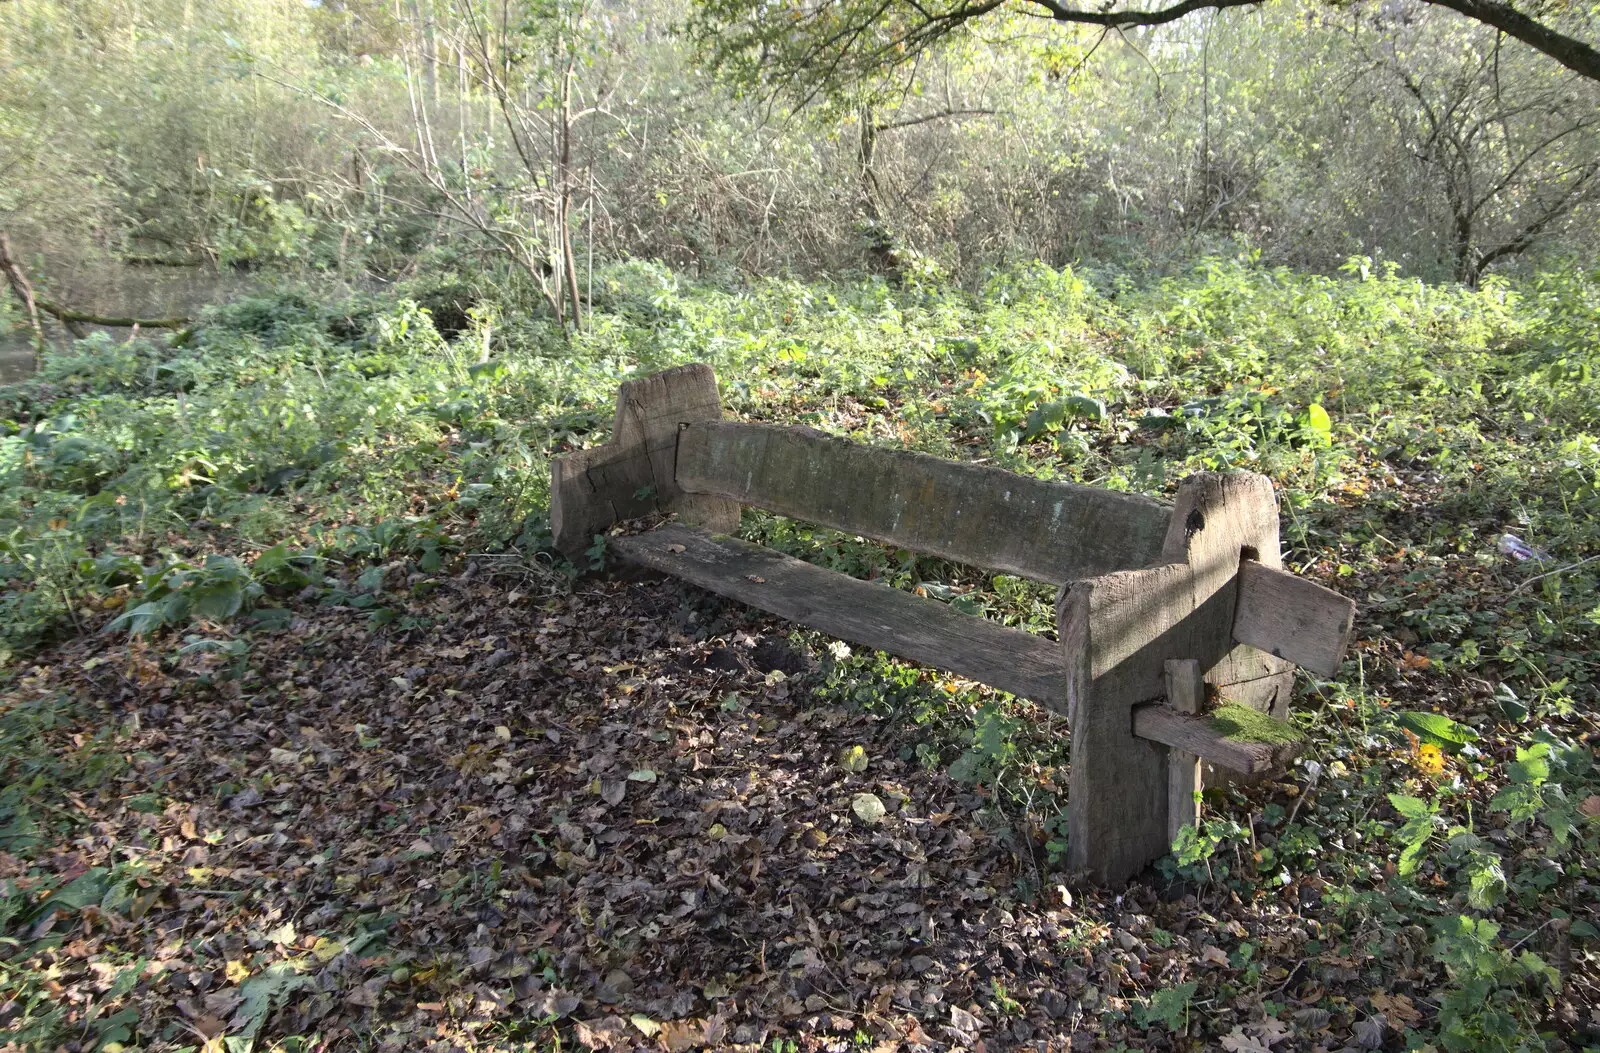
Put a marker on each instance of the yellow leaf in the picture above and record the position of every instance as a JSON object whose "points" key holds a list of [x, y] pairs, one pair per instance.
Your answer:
{"points": [[853, 759], [236, 972]]}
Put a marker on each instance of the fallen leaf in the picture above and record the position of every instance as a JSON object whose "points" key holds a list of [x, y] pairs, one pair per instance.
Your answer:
{"points": [[1236, 1041], [366, 996], [616, 986], [868, 808], [1396, 1007], [649, 1027], [964, 1021], [1368, 1033], [758, 579], [553, 1002], [853, 759], [680, 1035], [609, 1032]]}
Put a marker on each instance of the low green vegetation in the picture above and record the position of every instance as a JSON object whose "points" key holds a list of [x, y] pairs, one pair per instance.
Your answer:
{"points": [[173, 515]]}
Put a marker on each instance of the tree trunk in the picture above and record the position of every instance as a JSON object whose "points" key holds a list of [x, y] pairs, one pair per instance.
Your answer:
{"points": [[568, 262], [864, 158], [19, 285], [1466, 263]]}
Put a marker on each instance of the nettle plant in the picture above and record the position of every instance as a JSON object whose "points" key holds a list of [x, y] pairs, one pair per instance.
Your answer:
{"points": [[1492, 992]]}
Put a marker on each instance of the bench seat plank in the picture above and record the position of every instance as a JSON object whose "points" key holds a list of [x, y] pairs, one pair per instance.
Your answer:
{"points": [[860, 612], [987, 517]]}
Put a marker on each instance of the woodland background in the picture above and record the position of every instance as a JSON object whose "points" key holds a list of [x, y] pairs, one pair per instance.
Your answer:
{"points": [[308, 739]]}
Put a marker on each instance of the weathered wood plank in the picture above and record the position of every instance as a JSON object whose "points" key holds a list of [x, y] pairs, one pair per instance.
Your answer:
{"points": [[871, 615], [1186, 692], [1117, 633], [635, 473], [984, 516], [1292, 618], [1195, 735]]}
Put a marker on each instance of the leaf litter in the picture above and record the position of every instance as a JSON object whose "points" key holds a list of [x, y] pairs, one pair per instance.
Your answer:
{"points": [[545, 819]]}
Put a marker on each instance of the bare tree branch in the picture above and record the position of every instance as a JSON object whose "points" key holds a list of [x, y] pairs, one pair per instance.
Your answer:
{"points": [[912, 122]]}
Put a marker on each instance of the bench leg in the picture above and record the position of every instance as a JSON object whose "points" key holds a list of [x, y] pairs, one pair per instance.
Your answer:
{"points": [[1120, 630], [1186, 691]]}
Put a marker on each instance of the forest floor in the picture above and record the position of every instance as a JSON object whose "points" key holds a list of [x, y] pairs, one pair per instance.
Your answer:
{"points": [[474, 801], [579, 814]]}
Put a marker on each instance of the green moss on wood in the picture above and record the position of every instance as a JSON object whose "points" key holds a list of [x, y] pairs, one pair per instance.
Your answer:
{"points": [[1243, 724]]}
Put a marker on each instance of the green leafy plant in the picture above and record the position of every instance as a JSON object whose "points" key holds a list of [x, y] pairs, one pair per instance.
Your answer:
{"points": [[1487, 1005], [1168, 1007], [992, 746], [1534, 793], [178, 592], [1421, 820]]}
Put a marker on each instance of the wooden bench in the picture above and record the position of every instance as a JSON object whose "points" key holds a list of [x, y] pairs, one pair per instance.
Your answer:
{"points": [[1161, 607]]}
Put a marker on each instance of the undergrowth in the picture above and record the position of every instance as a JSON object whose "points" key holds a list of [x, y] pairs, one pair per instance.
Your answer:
{"points": [[1436, 452]]}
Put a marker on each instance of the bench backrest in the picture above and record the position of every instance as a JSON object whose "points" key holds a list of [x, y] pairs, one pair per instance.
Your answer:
{"points": [[983, 516]]}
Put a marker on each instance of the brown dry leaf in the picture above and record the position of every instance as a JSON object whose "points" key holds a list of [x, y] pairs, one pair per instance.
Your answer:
{"points": [[680, 1035], [1271, 1030], [1590, 806], [1236, 1041], [609, 1032], [1396, 1007], [1368, 1033]]}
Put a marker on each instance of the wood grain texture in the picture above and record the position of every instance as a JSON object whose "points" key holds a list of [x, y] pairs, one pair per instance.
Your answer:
{"points": [[635, 473], [1186, 693], [1117, 633], [860, 612], [983, 516], [1292, 618], [1195, 735]]}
